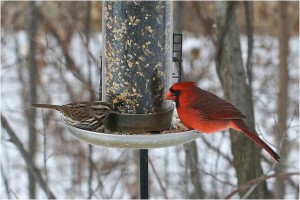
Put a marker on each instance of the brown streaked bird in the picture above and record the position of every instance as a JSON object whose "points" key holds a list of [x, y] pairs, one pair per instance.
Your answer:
{"points": [[84, 115]]}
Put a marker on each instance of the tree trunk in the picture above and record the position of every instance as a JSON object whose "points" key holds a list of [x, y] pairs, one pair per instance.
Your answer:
{"points": [[246, 154], [282, 96], [32, 31]]}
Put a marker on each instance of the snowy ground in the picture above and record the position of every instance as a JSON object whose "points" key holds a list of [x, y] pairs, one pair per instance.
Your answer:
{"points": [[218, 176]]}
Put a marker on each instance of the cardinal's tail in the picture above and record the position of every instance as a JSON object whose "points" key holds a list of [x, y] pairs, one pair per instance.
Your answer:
{"points": [[47, 106], [241, 126]]}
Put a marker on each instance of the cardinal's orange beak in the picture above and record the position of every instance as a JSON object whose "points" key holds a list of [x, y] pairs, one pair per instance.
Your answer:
{"points": [[170, 96]]}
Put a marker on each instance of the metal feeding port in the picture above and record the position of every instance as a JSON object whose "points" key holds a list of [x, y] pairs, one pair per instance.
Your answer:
{"points": [[139, 49]]}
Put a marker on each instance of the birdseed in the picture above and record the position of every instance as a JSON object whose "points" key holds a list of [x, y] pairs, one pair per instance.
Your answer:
{"points": [[137, 55]]}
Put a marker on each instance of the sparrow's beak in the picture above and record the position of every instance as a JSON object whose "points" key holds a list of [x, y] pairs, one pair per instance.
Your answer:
{"points": [[170, 96]]}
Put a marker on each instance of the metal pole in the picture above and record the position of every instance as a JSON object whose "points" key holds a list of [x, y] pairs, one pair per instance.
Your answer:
{"points": [[144, 174]]}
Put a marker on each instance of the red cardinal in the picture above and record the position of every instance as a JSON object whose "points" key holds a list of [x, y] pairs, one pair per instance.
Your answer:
{"points": [[205, 112]]}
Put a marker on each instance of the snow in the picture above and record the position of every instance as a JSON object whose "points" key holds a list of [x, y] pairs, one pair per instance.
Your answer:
{"points": [[67, 168]]}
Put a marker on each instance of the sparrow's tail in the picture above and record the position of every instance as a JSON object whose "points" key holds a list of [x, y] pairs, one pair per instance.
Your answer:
{"points": [[47, 106]]}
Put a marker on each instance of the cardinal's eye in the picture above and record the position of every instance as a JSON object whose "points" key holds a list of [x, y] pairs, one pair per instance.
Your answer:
{"points": [[175, 92]]}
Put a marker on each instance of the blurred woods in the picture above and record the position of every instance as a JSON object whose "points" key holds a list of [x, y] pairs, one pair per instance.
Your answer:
{"points": [[51, 54]]}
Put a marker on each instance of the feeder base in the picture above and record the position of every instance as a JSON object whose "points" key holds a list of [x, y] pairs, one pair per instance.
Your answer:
{"points": [[139, 123]]}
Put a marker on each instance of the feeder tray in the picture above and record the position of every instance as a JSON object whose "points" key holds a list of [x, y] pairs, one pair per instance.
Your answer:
{"points": [[137, 125], [137, 141]]}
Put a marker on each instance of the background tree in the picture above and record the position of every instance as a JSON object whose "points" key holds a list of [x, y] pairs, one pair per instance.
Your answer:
{"points": [[282, 140], [32, 71], [246, 155]]}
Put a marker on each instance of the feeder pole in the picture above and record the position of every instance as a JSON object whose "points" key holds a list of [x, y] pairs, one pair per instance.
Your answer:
{"points": [[144, 174]]}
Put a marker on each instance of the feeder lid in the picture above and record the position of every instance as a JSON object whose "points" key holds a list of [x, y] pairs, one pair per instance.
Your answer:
{"points": [[133, 141]]}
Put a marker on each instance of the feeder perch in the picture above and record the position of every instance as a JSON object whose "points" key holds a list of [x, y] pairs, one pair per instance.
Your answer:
{"points": [[135, 141]]}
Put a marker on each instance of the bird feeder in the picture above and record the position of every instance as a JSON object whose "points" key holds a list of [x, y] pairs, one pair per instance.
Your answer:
{"points": [[137, 60], [138, 54], [138, 51]]}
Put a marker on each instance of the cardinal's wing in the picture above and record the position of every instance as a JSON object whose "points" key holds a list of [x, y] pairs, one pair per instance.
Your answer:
{"points": [[213, 107]]}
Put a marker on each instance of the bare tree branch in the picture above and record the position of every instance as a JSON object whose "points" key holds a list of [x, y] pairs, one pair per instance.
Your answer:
{"points": [[249, 29], [6, 183], [32, 71], [194, 166], [205, 21], [69, 61], [116, 183], [221, 36], [163, 189], [258, 180], [36, 173], [226, 157], [45, 150]]}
